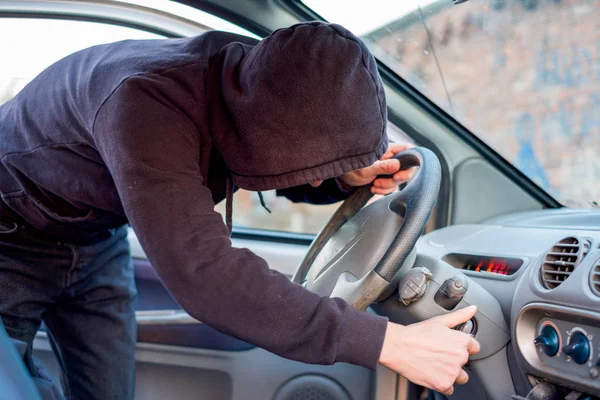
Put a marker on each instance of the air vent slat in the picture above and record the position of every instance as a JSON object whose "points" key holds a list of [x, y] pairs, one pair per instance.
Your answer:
{"points": [[562, 259], [554, 281], [560, 263], [595, 278], [554, 272], [561, 254]]}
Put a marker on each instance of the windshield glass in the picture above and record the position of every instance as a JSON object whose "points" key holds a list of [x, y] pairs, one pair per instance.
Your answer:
{"points": [[522, 75]]}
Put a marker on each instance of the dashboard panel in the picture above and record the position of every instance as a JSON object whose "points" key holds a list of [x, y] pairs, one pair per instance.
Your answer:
{"points": [[543, 267]]}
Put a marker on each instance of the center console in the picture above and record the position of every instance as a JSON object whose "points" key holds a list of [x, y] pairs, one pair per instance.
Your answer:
{"points": [[561, 344]]}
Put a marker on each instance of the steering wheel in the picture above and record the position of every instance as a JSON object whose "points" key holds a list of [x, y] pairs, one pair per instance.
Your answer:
{"points": [[362, 251]]}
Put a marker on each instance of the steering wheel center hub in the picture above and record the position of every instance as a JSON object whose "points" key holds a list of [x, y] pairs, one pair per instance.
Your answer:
{"points": [[353, 250]]}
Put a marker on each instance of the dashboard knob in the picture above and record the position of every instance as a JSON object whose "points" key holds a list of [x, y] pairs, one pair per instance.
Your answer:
{"points": [[452, 292], [548, 341], [578, 348], [414, 285], [469, 327]]}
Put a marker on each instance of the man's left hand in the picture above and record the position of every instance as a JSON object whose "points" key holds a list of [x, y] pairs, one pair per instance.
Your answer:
{"points": [[385, 166]]}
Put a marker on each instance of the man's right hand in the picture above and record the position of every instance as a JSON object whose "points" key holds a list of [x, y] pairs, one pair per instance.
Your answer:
{"points": [[431, 353]]}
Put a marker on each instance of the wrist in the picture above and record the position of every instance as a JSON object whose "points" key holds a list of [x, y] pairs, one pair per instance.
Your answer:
{"points": [[392, 344]]}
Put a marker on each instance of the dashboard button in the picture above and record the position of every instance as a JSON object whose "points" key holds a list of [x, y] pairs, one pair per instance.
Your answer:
{"points": [[578, 348], [414, 285], [548, 341], [469, 327]]}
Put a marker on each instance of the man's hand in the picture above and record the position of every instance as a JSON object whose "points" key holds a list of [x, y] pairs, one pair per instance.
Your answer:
{"points": [[385, 166], [430, 353]]}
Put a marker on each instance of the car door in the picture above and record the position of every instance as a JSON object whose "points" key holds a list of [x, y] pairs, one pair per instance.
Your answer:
{"points": [[179, 357]]}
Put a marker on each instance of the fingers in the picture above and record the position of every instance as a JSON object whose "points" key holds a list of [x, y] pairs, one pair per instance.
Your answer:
{"points": [[381, 192], [463, 377], [457, 317], [384, 186], [449, 392], [386, 167], [403, 176], [395, 148], [473, 347], [383, 183]]}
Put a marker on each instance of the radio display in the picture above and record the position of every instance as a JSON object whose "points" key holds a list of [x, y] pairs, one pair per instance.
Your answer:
{"points": [[494, 265]]}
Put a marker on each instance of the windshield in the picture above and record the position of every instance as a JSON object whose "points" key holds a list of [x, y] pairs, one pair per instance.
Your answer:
{"points": [[522, 75]]}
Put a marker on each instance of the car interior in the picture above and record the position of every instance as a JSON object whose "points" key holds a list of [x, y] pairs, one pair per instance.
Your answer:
{"points": [[501, 99]]}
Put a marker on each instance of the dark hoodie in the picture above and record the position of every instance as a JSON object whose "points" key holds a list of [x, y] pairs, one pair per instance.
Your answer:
{"points": [[148, 132]]}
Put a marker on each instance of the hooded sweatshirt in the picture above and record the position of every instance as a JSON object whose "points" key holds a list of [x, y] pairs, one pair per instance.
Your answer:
{"points": [[155, 132]]}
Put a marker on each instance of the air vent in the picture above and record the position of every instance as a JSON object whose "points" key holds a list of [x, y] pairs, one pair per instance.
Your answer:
{"points": [[562, 260], [595, 278]]}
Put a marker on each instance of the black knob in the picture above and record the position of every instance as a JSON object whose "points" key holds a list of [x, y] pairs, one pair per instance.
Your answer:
{"points": [[578, 348], [452, 292], [548, 341], [469, 327]]}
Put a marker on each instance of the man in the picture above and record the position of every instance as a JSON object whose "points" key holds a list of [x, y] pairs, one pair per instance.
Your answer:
{"points": [[154, 133]]}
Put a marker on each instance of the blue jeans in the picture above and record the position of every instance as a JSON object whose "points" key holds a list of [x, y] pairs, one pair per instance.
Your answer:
{"points": [[85, 297]]}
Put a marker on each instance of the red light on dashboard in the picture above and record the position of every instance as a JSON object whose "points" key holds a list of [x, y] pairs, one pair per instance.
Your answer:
{"points": [[492, 265], [478, 269]]}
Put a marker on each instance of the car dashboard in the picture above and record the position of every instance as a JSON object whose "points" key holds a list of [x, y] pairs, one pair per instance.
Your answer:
{"points": [[543, 267]]}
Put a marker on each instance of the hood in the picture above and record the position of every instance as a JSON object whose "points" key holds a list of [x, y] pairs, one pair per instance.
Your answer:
{"points": [[304, 104]]}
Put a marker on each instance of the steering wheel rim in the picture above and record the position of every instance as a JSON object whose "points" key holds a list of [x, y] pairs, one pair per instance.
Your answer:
{"points": [[414, 204]]}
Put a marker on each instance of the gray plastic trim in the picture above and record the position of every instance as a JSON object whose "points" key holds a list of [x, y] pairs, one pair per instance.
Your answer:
{"points": [[494, 375], [525, 330], [493, 333], [480, 192], [562, 218], [164, 317], [251, 375]]}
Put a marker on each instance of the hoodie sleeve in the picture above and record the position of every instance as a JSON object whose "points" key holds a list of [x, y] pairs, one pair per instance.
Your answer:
{"points": [[328, 192], [152, 153]]}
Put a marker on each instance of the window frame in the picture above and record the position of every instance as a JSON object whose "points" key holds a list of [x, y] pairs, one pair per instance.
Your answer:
{"points": [[108, 12]]}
